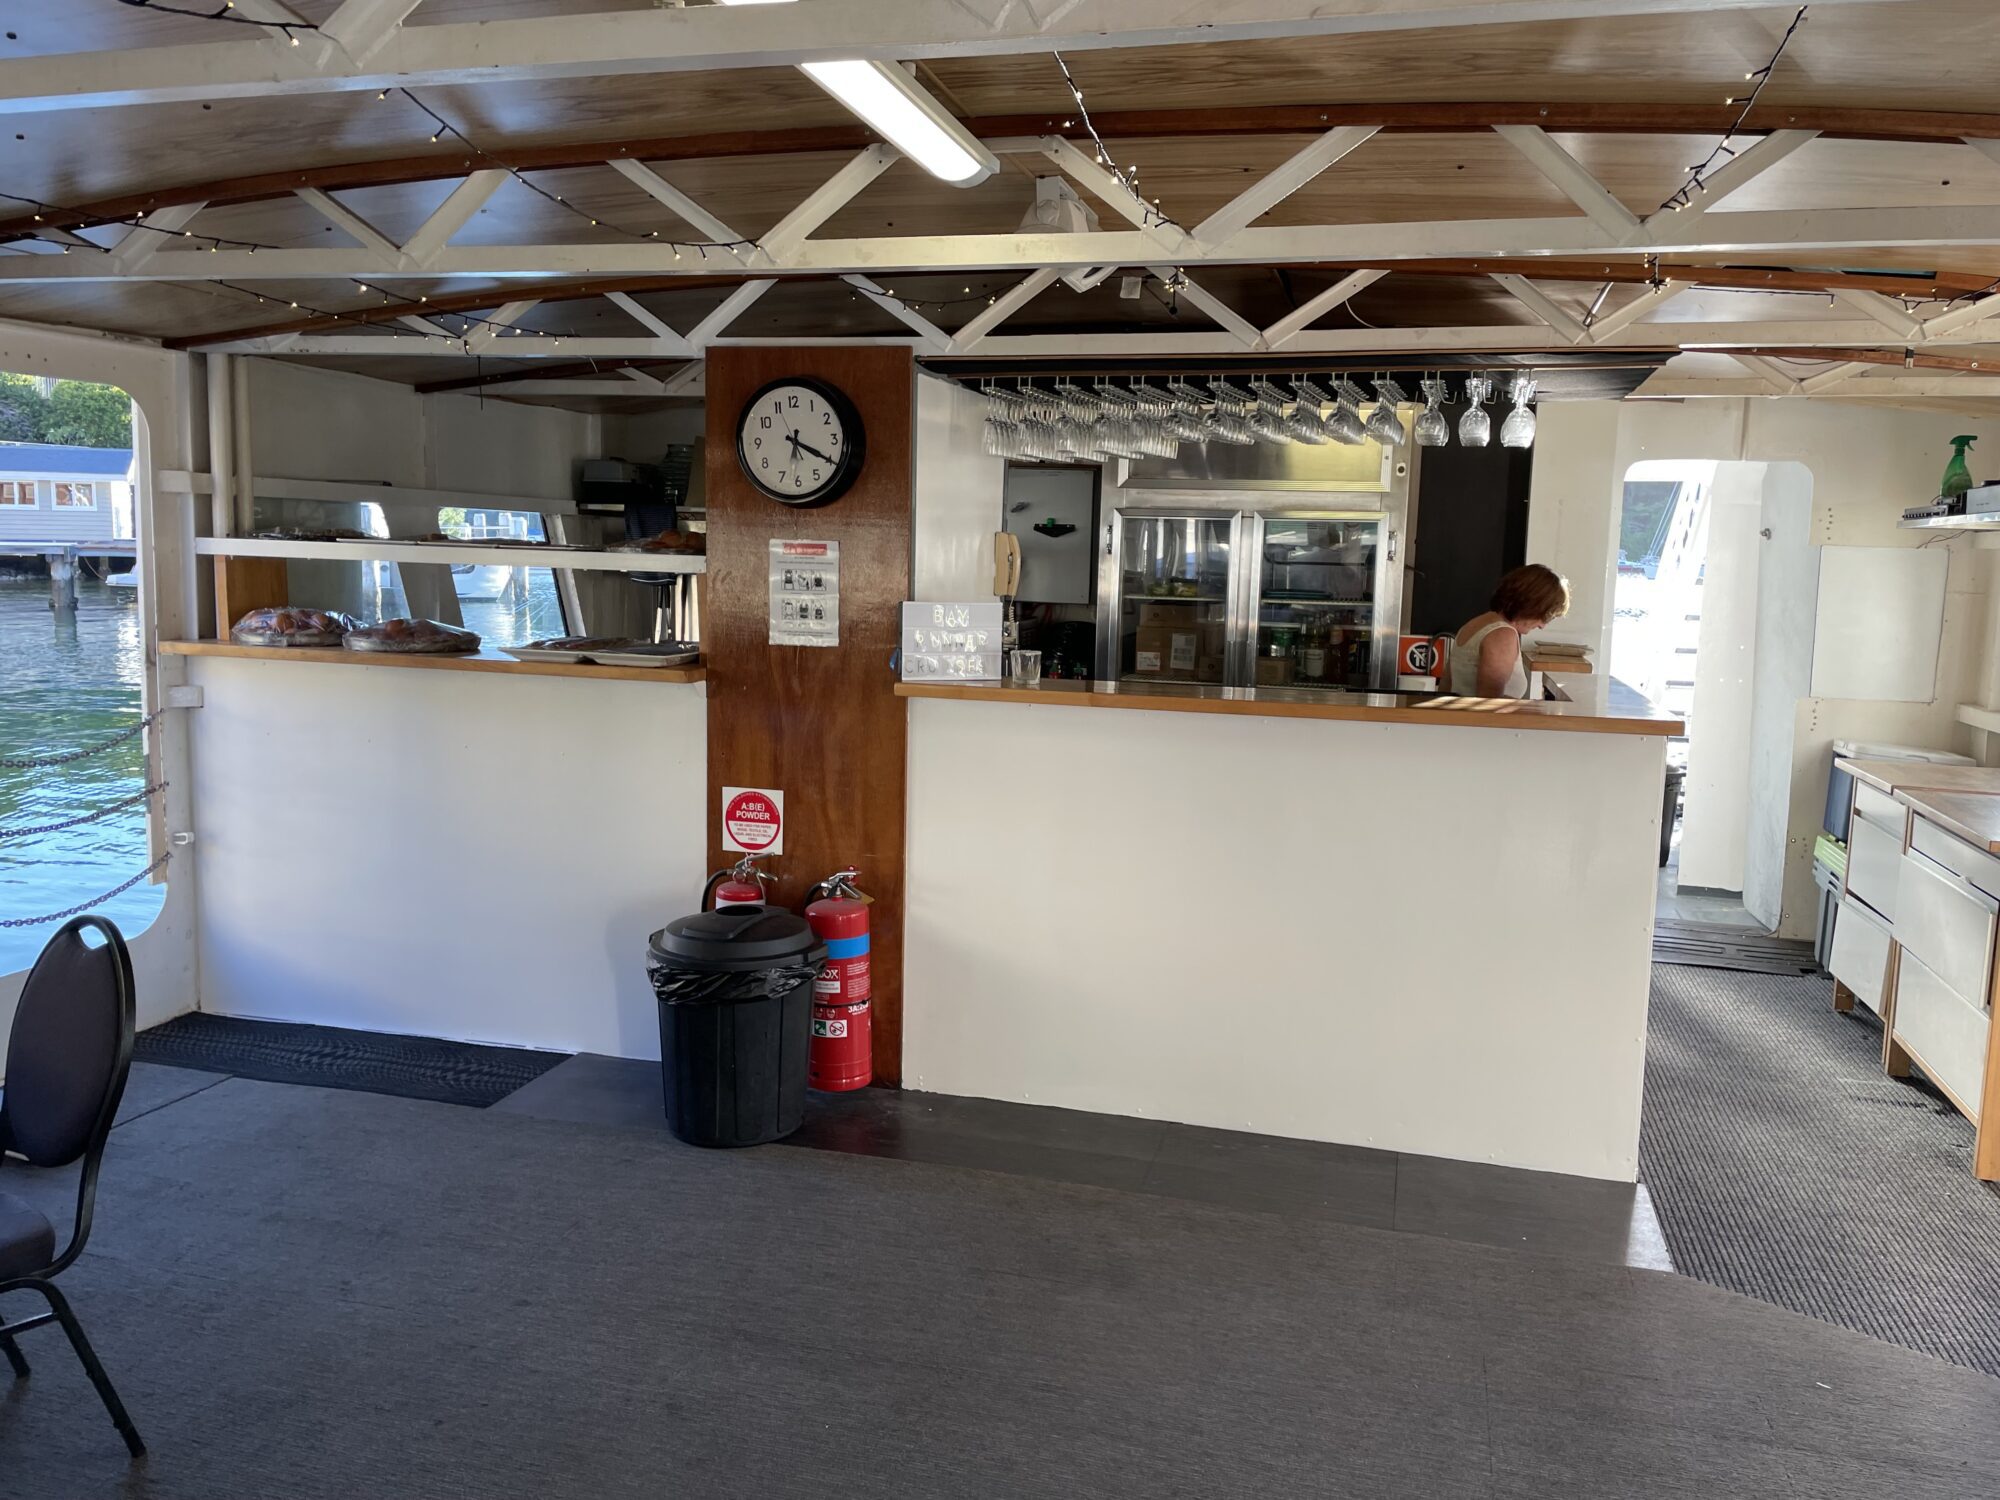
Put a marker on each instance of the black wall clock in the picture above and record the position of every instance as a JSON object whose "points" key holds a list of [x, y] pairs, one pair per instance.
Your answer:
{"points": [[799, 441]]}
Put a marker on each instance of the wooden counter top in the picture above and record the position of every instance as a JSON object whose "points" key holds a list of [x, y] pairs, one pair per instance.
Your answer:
{"points": [[1973, 816], [1294, 703], [1893, 776], [479, 661]]}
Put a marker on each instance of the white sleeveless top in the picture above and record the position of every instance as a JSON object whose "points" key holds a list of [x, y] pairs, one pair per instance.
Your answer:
{"points": [[1464, 666]]}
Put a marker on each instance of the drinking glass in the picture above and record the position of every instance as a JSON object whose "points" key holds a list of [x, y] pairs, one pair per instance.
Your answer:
{"points": [[1432, 429], [1475, 428], [1518, 431], [1024, 668]]}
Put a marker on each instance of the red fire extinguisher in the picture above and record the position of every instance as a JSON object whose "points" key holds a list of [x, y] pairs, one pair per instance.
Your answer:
{"points": [[740, 885], [842, 1055]]}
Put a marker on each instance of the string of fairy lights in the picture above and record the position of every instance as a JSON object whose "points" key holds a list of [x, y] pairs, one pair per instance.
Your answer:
{"points": [[226, 11], [1697, 179]]}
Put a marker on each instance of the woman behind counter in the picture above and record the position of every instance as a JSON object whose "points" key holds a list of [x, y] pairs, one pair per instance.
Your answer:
{"points": [[1486, 653]]}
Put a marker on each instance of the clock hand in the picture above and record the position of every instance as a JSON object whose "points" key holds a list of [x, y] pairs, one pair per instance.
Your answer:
{"points": [[798, 442]]}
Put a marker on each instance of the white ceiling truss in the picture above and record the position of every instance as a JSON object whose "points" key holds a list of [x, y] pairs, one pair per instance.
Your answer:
{"points": [[1650, 319], [363, 44]]}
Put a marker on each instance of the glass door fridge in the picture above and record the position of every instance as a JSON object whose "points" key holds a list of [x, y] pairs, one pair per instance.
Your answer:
{"points": [[1167, 582], [1325, 592]]}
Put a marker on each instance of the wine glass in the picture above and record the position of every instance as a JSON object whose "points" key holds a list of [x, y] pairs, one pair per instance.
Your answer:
{"points": [[1384, 425], [1518, 431], [1475, 428], [1432, 429]]}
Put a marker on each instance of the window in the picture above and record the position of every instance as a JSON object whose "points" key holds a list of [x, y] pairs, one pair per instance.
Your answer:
{"points": [[17, 492], [75, 495]]}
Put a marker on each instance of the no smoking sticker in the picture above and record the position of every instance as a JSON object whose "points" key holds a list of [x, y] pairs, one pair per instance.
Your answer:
{"points": [[753, 820]]}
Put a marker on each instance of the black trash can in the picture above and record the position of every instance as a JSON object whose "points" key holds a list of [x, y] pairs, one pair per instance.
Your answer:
{"points": [[735, 991], [1670, 806]]}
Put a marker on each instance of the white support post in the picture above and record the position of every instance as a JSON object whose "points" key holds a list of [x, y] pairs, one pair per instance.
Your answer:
{"points": [[651, 385], [733, 307], [839, 190], [1960, 318], [1537, 302], [1577, 183], [1752, 161], [482, 337], [1310, 312], [425, 325], [1767, 372], [907, 316], [1890, 313], [1261, 197], [1812, 385], [658, 188], [1004, 307], [350, 223], [1113, 194], [688, 380], [459, 206], [1246, 332], [146, 238], [657, 327], [1608, 325], [361, 27]]}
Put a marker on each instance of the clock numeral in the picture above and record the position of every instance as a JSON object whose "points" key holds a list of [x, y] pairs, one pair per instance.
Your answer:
{"points": [[764, 423]]}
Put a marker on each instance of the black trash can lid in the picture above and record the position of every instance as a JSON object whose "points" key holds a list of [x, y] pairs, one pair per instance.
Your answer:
{"points": [[733, 939]]}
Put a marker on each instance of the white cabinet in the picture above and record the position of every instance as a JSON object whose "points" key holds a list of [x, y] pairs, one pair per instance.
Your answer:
{"points": [[1860, 954], [1944, 1031], [1947, 922], [1874, 864]]}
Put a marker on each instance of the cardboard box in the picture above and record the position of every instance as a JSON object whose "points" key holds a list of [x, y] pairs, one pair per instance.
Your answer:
{"points": [[1164, 651], [1184, 614]]}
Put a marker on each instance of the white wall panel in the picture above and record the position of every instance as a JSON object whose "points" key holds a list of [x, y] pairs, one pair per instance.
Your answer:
{"points": [[1425, 939], [444, 854], [957, 488]]}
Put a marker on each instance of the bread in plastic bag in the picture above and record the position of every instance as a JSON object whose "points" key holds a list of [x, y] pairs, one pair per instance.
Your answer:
{"points": [[413, 636], [291, 625]]}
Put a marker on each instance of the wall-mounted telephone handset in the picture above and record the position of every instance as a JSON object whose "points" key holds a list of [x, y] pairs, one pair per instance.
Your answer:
{"points": [[1006, 564]]}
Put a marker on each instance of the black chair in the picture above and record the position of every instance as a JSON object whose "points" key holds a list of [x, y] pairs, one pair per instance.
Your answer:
{"points": [[67, 1059]]}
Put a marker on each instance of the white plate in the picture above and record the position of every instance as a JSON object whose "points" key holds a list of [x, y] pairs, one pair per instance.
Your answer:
{"points": [[530, 653], [647, 659]]}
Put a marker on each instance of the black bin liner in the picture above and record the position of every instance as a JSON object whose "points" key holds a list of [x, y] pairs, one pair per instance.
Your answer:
{"points": [[735, 992]]}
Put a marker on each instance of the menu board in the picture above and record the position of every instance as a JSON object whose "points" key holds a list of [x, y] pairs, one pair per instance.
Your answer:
{"points": [[805, 593], [951, 642]]}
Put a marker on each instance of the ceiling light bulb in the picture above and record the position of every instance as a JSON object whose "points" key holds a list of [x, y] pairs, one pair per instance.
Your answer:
{"points": [[892, 103]]}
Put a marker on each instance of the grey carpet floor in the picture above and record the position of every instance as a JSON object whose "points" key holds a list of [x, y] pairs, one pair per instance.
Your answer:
{"points": [[305, 1294], [1784, 1164]]}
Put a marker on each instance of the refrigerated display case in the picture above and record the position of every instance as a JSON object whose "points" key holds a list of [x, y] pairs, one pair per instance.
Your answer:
{"points": [[1273, 597], [1317, 585], [1164, 595]]}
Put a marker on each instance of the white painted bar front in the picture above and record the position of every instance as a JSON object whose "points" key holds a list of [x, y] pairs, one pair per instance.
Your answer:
{"points": [[1418, 938], [463, 855]]}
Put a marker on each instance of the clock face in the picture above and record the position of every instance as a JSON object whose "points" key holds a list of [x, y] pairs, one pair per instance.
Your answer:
{"points": [[799, 441]]}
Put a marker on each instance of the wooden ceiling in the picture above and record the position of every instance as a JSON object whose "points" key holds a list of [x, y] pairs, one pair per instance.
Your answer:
{"points": [[1897, 58]]}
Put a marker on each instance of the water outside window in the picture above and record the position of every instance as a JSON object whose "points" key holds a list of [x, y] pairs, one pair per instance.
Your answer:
{"points": [[63, 685]]}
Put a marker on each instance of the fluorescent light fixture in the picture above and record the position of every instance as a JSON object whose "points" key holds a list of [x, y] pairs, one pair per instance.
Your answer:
{"points": [[903, 113], [907, 117]]}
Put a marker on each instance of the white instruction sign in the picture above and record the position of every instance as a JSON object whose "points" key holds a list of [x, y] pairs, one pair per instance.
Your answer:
{"points": [[753, 820], [951, 642], [805, 593]]}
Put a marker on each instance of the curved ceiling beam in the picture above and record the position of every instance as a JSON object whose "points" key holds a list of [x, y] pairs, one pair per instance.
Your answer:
{"points": [[1929, 126]]}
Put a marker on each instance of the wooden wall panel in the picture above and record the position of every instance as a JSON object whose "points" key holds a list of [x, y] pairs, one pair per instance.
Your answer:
{"points": [[822, 725], [246, 583]]}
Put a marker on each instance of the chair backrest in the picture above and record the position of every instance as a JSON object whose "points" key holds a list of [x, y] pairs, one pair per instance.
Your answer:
{"points": [[71, 1046]]}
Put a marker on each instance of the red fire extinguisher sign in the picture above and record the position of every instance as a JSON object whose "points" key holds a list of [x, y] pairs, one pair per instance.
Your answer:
{"points": [[753, 820]]}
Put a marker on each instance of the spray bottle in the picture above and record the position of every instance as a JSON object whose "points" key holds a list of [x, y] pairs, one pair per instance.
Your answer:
{"points": [[1957, 477]]}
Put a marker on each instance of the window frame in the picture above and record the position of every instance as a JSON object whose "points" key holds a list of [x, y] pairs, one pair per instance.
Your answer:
{"points": [[28, 494], [82, 492]]}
